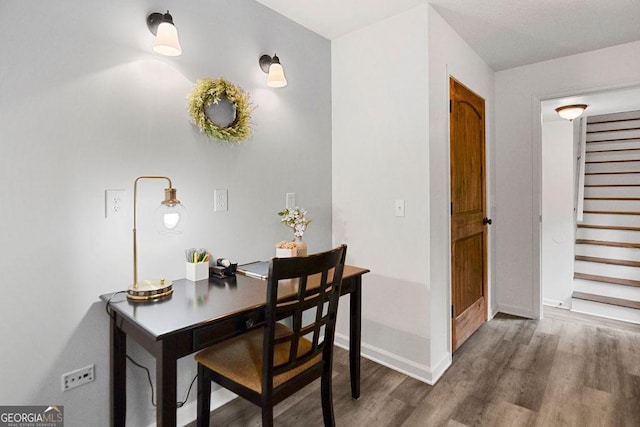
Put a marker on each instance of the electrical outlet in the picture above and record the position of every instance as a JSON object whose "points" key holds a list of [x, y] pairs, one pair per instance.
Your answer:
{"points": [[221, 200], [78, 377], [291, 200], [114, 203]]}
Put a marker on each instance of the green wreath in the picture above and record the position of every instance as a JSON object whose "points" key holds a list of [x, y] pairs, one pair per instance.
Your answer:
{"points": [[210, 91]]}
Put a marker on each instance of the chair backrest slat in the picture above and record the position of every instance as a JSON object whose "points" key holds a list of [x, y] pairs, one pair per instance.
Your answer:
{"points": [[319, 277]]}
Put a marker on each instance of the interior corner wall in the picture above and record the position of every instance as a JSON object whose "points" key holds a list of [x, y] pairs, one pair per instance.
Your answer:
{"points": [[380, 155], [451, 56], [86, 106], [518, 92], [558, 225]]}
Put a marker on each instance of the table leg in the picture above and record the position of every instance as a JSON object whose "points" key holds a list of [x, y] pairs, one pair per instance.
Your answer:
{"points": [[166, 378], [118, 383], [355, 322]]}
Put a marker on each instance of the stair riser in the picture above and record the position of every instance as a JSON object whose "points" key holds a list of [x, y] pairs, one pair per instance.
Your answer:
{"points": [[606, 310], [597, 251], [613, 135], [613, 155], [593, 147], [612, 191], [608, 270], [614, 220], [608, 235], [612, 179], [612, 205], [612, 126], [607, 289], [613, 167]]}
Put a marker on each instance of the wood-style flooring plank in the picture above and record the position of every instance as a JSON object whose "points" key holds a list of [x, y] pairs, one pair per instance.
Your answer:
{"points": [[567, 369]]}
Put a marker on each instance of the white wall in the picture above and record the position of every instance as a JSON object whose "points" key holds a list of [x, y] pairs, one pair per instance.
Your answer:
{"points": [[380, 154], [85, 105], [558, 225], [518, 92], [390, 141]]}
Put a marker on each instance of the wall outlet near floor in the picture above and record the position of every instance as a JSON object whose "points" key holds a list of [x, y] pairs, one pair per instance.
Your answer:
{"points": [[78, 377]]}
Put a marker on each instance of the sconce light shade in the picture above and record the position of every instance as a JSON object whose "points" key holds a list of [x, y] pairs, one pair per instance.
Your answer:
{"points": [[274, 69], [570, 112], [166, 42]]}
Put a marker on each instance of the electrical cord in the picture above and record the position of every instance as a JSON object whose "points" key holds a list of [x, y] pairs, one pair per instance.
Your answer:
{"points": [[179, 404]]}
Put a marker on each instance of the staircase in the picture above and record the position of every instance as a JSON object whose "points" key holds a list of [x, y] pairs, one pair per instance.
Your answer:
{"points": [[607, 262]]}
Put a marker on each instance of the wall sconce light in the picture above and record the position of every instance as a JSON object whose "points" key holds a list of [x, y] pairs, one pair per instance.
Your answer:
{"points": [[166, 43], [570, 112], [273, 67], [170, 218]]}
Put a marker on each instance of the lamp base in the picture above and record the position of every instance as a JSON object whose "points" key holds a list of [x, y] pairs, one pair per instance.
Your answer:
{"points": [[150, 290]]}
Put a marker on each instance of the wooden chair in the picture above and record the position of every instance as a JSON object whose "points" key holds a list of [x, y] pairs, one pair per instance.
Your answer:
{"points": [[272, 362]]}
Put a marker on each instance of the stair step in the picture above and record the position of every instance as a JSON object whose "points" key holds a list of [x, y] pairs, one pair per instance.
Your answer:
{"points": [[605, 279], [608, 146], [608, 154], [608, 227], [603, 212], [628, 235], [611, 261], [620, 302], [612, 191], [613, 125], [614, 205], [600, 269], [607, 311], [605, 243], [613, 220], [612, 179], [616, 135], [596, 251]]}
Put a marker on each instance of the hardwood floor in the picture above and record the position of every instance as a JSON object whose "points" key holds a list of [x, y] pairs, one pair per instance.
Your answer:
{"points": [[565, 370]]}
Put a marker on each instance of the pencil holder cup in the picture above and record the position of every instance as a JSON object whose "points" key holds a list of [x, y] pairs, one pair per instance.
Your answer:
{"points": [[197, 271]]}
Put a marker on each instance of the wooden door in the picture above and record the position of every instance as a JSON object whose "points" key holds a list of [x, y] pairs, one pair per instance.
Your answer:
{"points": [[468, 213]]}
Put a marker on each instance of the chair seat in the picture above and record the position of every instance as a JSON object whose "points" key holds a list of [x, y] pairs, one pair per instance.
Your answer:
{"points": [[240, 358]]}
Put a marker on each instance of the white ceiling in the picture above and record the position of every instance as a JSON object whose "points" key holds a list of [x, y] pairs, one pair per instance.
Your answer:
{"points": [[505, 33]]}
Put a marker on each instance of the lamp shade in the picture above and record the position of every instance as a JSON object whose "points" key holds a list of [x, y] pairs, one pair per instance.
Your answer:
{"points": [[167, 42], [570, 112], [170, 219], [171, 216]]}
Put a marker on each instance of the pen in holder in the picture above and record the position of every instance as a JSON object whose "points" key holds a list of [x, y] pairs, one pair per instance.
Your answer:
{"points": [[197, 264]]}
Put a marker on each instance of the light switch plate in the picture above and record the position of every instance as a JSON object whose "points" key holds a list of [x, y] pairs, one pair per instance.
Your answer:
{"points": [[399, 208], [291, 200]]}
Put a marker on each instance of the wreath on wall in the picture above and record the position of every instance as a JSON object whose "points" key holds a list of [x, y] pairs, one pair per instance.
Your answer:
{"points": [[210, 91]]}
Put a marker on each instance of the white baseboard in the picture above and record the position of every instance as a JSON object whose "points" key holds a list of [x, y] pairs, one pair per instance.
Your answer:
{"points": [[405, 366], [556, 304], [516, 311], [187, 414]]}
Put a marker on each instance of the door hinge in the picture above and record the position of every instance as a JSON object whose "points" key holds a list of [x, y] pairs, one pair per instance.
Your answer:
{"points": [[450, 106], [451, 208], [452, 316]]}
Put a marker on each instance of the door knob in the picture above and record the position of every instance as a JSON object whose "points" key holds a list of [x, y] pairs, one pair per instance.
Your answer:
{"points": [[486, 221]]}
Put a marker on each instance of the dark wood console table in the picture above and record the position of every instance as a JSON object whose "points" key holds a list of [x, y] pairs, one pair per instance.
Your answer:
{"points": [[195, 316]]}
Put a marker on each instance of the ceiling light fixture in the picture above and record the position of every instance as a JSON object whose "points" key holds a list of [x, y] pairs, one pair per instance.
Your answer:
{"points": [[166, 43], [273, 67], [570, 112]]}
